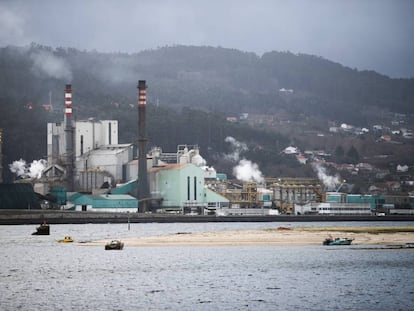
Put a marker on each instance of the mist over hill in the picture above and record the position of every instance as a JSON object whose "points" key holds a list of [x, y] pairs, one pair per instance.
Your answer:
{"points": [[191, 92]]}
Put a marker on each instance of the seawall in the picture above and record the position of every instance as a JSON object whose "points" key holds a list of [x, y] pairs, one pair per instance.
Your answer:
{"points": [[21, 217]]}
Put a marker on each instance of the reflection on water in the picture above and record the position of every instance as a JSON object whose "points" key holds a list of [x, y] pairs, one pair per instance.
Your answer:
{"points": [[39, 273]]}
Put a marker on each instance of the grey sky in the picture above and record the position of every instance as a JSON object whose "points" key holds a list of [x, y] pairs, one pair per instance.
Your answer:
{"points": [[365, 34]]}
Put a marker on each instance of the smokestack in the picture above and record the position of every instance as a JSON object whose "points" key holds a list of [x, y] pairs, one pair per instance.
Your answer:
{"points": [[69, 137], [143, 188]]}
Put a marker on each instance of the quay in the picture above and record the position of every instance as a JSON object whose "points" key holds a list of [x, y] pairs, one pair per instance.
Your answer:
{"points": [[23, 217]]}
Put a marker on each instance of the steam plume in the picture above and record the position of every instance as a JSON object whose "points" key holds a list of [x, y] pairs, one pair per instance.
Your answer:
{"points": [[34, 170], [248, 171], [238, 147], [245, 170], [329, 181]]}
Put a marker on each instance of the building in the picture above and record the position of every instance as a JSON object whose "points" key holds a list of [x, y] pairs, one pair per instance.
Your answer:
{"points": [[105, 203], [97, 157], [181, 188], [18, 196], [330, 209], [338, 203]]}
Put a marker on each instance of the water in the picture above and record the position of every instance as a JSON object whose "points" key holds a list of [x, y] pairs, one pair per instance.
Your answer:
{"points": [[37, 273]]}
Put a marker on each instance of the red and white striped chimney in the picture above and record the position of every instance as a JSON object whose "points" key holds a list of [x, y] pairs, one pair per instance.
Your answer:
{"points": [[68, 101], [142, 93]]}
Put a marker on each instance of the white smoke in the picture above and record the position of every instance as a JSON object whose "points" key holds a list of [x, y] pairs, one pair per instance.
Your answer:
{"points": [[248, 171], [47, 63], [238, 147], [329, 181], [245, 170], [22, 170]]}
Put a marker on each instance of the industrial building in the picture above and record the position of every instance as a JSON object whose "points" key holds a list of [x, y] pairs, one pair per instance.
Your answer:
{"points": [[105, 202], [88, 170], [337, 203], [86, 159], [181, 188], [18, 196]]}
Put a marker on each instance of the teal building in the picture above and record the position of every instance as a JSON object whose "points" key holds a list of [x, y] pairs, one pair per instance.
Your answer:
{"points": [[375, 201], [181, 188]]}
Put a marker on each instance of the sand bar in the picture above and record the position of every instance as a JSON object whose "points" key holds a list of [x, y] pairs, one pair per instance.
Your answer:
{"points": [[281, 236]]}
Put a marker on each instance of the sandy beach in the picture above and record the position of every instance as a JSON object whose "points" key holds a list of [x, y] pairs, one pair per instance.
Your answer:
{"points": [[280, 236]]}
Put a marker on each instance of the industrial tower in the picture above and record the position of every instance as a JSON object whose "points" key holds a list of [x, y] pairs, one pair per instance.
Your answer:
{"points": [[143, 186]]}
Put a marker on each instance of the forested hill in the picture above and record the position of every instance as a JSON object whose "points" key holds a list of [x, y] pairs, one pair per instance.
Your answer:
{"points": [[210, 78], [191, 90]]}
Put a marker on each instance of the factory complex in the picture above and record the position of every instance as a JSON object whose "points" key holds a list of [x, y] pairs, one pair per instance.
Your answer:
{"points": [[88, 170]]}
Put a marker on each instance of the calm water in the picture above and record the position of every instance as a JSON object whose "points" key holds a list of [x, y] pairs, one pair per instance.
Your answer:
{"points": [[37, 273]]}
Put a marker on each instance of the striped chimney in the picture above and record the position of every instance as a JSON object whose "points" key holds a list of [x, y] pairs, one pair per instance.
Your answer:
{"points": [[69, 137], [143, 186], [142, 93], [68, 100]]}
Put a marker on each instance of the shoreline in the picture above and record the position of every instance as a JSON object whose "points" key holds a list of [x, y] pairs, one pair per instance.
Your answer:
{"points": [[300, 236], [25, 217]]}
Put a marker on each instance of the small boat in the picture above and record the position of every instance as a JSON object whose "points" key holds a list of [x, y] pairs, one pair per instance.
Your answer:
{"points": [[114, 244], [337, 241], [43, 229], [66, 239]]}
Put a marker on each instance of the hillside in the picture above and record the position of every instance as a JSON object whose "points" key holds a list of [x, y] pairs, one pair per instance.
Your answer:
{"points": [[191, 92]]}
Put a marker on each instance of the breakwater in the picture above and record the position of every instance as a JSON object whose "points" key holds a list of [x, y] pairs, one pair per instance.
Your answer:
{"points": [[22, 217]]}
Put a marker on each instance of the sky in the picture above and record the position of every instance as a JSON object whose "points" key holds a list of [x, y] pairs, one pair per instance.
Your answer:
{"points": [[363, 34]]}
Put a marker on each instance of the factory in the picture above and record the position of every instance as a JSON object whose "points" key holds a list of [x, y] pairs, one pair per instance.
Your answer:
{"points": [[99, 174], [88, 170]]}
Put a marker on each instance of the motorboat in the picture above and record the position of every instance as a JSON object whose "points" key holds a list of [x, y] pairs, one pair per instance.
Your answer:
{"points": [[337, 241], [114, 245], [66, 239]]}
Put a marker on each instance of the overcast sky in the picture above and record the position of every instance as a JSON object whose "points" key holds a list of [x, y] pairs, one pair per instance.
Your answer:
{"points": [[364, 34]]}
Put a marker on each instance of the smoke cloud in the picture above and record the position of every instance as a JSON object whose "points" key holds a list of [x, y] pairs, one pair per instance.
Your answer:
{"points": [[329, 181], [248, 171], [245, 170], [22, 170], [238, 148], [46, 63]]}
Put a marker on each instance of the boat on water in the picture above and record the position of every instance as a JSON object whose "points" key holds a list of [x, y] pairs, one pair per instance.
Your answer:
{"points": [[66, 239], [337, 241], [43, 229], [114, 245]]}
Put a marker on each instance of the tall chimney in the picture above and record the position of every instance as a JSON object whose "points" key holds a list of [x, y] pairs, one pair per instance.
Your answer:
{"points": [[69, 137], [143, 188]]}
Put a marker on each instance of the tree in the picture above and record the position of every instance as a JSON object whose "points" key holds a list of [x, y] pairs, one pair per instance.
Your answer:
{"points": [[352, 155]]}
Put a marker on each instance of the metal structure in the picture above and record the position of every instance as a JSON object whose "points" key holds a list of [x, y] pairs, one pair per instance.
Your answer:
{"points": [[143, 186], [240, 194], [291, 191], [286, 192]]}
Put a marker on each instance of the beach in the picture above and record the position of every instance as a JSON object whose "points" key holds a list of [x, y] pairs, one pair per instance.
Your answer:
{"points": [[281, 236]]}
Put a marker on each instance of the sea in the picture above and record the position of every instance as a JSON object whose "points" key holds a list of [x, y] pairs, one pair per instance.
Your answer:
{"points": [[37, 273]]}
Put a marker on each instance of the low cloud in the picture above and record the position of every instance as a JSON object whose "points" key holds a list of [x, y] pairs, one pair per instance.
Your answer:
{"points": [[46, 63]]}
